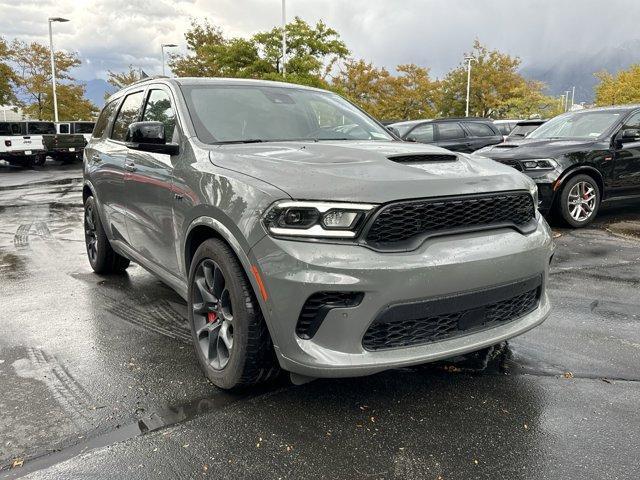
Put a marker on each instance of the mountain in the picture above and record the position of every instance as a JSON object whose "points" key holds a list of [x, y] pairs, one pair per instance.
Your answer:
{"points": [[96, 89], [578, 69]]}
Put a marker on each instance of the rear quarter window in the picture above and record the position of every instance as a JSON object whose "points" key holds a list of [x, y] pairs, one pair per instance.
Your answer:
{"points": [[478, 129]]}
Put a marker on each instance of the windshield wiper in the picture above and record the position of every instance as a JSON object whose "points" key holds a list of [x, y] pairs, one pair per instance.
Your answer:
{"points": [[248, 140]]}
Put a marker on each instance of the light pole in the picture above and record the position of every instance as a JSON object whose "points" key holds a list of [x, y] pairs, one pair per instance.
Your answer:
{"points": [[162, 47], [53, 64], [284, 39], [469, 60]]}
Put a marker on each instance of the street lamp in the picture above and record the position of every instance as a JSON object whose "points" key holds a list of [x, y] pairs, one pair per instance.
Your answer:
{"points": [[469, 60], [53, 64], [162, 47], [284, 39]]}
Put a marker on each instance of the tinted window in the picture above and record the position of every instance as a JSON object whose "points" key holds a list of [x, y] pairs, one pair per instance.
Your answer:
{"points": [[40, 128], [504, 128], [159, 109], [103, 119], [449, 131], [521, 131], [423, 133], [127, 115], [5, 129], [478, 129], [633, 121], [83, 127], [64, 128], [15, 129], [241, 113]]}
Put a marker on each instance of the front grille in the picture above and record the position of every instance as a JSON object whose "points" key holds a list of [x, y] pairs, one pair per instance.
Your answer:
{"points": [[317, 306], [404, 224], [422, 157], [443, 319]]}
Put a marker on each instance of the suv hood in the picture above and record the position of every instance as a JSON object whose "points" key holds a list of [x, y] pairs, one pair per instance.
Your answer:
{"points": [[361, 171], [535, 148]]}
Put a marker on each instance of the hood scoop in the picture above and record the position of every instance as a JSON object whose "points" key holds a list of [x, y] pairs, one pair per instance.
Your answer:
{"points": [[506, 145], [423, 157]]}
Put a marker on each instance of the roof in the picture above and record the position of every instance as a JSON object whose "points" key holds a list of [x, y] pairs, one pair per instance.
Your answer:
{"points": [[442, 120]]}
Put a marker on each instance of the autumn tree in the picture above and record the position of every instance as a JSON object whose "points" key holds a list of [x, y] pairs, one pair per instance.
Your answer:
{"points": [[311, 53], [122, 79], [621, 88], [7, 75], [33, 81], [497, 89]]}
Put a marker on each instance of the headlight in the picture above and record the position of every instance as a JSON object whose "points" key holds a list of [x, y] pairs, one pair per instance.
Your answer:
{"points": [[533, 190], [539, 164], [316, 219]]}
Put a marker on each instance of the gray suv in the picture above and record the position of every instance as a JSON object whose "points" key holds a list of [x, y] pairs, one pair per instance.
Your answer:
{"points": [[304, 236]]}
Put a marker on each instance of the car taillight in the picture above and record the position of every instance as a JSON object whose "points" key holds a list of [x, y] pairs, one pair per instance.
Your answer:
{"points": [[7, 143]]}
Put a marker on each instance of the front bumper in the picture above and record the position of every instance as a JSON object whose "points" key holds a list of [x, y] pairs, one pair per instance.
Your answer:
{"points": [[292, 271]]}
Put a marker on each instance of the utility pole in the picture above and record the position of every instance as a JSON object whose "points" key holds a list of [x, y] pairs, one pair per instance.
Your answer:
{"points": [[162, 47], [567, 102], [573, 96], [284, 40], [53, 65], [469, 60]]}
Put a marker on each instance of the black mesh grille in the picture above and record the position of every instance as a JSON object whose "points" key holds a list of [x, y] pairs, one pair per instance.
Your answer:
{"points": [[401, 222], [423, 158], [419, 331], [317, 306]]}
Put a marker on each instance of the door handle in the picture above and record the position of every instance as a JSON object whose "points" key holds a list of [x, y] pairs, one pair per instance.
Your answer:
{"points": [[129, 167]]}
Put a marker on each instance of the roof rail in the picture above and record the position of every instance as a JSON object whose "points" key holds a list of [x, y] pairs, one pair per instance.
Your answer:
{"points": [[154, 77]]}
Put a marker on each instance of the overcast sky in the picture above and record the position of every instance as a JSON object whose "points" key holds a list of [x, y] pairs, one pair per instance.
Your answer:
{"points": [[111, 34]]}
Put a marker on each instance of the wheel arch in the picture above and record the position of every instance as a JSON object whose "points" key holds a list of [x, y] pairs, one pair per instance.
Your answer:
{"points": [[584, 169]]}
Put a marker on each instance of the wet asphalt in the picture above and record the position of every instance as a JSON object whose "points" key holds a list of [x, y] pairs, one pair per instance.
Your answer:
{"points": [[98, 378]]}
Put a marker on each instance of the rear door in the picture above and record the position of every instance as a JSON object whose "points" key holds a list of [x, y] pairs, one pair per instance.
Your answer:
{"points": [[149, 187], [112, 171], [626, 168], [481, 135], [451, 135]]}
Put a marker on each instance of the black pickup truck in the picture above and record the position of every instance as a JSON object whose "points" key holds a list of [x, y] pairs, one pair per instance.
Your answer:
{"points": [[59, 146]]}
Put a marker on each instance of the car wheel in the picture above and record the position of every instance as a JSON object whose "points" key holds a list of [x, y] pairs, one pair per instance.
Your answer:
{"points": [[102, 257], [229, 332], [579, 201], [39, 160]]}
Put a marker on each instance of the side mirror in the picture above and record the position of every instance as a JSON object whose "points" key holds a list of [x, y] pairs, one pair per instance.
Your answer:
{"points": [[149, 137], [627, 135], [411, 138]]}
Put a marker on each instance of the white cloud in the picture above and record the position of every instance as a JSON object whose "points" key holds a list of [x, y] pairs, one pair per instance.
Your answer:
{"points": [[111, 34]]}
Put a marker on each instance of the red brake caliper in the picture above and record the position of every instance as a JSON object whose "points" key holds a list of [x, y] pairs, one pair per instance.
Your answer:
{"points": [[212, 317]]}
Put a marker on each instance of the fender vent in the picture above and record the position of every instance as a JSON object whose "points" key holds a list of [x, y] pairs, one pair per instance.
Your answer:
{"points": [[421, 158]]}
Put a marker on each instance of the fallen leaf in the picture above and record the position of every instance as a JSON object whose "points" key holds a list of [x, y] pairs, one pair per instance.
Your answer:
{"points": [[567, 375], [18, 462]]}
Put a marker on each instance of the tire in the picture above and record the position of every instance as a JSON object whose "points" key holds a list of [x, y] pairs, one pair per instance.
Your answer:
{"points": [[102, 257], [222, 305], [39, 160], [588, 201]]}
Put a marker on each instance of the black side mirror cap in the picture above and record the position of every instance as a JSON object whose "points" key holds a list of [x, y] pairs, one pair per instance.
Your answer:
{"points": [[149, 137]]}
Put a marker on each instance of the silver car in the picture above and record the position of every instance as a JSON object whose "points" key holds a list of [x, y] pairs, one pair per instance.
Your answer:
{"points": [[304, 236]]}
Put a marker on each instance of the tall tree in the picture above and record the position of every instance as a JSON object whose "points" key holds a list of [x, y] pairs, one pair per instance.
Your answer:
{"points": [[7, 75], [497, 89], [122, 79], [311, 53], [33, 81], [623, 87]]}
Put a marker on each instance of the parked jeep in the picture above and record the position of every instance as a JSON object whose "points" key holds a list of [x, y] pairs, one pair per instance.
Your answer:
{"points": [[19, 148], [303, 236], [59, 146]]}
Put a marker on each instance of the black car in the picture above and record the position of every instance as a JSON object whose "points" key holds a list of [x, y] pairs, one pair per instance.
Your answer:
{"points": [[456, 134], [579, 159], [523, 128]]}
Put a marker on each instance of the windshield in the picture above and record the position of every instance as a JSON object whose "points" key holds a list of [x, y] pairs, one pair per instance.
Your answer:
{"points": [[521, 131], [245, 113], [577, 125]]}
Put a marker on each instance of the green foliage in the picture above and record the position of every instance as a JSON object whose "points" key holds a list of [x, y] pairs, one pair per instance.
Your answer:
{"points": [[311, 52], [7, 75], [33, 81], [624, 87]]}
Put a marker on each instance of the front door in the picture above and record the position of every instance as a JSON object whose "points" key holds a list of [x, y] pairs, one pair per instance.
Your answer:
{"points": [[149, 188], [626, 168]]}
